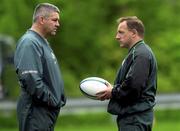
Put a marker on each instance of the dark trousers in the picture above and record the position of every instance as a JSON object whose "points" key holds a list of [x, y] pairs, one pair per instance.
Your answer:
{"points": [[136, 122], [33, 117]]}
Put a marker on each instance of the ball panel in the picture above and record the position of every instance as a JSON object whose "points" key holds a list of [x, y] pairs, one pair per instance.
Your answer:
{"points": [[87, 95], [94, 79], [92, 85]]}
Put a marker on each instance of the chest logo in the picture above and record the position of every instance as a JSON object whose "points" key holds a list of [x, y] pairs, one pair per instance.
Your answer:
{"points": [[54, 58], [123, 62]]}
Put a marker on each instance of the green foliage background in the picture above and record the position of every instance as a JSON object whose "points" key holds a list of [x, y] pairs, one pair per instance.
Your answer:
{"points": [[165, 120], [85, 44]]}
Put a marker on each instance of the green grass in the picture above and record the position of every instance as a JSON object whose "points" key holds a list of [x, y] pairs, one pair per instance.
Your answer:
{"points": [[164, 121], [160, 126], [167, 126], [89, 127]]}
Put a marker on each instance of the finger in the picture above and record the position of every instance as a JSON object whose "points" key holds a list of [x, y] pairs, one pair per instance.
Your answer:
{"points": [[106, 83], [101, 96], [101, 92]]}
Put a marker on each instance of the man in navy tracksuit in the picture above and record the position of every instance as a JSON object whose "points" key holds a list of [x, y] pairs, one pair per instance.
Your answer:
{"points": [[133, 96], [42, 88]]}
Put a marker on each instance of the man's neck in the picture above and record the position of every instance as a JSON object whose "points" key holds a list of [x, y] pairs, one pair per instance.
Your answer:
{"points": [[134, 42], [38, 30]]}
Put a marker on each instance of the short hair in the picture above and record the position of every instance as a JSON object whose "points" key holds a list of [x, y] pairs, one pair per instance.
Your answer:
{"points": [[44, 9], [134, 23]]}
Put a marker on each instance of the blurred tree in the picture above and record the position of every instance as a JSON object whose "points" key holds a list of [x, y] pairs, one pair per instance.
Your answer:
{"points": [[6, 55], [86, 45]]}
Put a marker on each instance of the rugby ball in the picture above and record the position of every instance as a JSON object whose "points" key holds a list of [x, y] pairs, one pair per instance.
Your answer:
{"points": [[92, 85]]}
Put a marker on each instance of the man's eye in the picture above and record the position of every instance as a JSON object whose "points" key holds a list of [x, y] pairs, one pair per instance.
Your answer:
{"points": [[120, 32]]}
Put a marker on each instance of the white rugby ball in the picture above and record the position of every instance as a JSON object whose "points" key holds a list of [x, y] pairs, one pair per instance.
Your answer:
{"points": [[92, 85]]}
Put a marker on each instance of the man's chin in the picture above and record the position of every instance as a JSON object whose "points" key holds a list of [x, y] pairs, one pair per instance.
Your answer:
{"points": [[122, 46], [53, 33]]}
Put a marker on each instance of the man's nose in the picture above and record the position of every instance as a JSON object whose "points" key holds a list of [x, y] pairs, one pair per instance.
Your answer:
{"points": [[57, 24], [117, 36]]}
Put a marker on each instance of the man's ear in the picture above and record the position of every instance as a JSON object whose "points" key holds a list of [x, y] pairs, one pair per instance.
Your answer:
{"points": [[41, 20], [134, 32]]}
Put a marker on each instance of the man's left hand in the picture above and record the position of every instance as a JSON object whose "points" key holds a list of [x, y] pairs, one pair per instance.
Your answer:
{"points": [[105, 94]]}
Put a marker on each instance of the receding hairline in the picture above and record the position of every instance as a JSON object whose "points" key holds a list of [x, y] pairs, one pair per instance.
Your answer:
{"points": [[128, 18], [44, 9], [133, 22]]}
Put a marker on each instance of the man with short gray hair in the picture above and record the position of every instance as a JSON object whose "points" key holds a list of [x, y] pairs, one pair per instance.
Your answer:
{"points": [[42, 88]]}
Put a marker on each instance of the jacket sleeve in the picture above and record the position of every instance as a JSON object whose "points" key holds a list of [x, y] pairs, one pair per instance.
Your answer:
{"points": [[30, 73], [136, 79]]}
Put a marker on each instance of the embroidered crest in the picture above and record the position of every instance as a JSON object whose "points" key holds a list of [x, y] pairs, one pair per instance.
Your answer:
{"points": [[54, 58]]}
